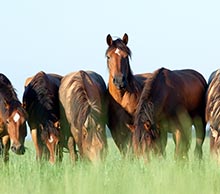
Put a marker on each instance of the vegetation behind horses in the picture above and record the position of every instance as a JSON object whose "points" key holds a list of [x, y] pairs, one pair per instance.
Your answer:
{"points": [[24, 175]]}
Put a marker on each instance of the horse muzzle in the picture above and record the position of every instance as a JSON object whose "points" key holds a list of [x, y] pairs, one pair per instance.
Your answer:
{"points": [[18, 149], [119, 82]]}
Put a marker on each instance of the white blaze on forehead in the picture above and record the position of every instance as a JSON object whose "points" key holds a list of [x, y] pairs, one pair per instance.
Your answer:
{"points": [[51, 139], [16, 117], [117, 51]]}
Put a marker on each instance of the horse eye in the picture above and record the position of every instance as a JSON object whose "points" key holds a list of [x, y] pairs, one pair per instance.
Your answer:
{"points": [[108, 57], [7, 121]]}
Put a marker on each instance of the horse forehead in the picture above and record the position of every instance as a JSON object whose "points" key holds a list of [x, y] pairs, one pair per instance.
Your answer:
{"points": [[117, 51]]}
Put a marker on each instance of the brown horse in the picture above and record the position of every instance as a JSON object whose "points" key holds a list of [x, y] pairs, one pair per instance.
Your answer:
{"points": [[172, 101], [213, 112], [124, 90], [83, 114], [12, 119], [41, 102]]}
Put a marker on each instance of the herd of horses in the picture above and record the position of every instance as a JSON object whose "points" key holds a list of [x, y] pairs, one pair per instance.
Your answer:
{"points": [[72, 111]]}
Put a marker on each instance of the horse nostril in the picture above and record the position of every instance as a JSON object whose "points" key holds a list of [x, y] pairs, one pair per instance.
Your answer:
{"points": [[114, 80], [13, 148], [119, 81], [20, 150]]}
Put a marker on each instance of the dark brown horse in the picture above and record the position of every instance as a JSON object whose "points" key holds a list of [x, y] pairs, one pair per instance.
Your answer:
{"points": [[213, 112], [171, 102], [12, 119], [41, 102], [83, 114], [124, 90]]}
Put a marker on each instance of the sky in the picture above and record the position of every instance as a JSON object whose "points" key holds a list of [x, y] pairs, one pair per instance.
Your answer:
{"points": [[65, 36]]}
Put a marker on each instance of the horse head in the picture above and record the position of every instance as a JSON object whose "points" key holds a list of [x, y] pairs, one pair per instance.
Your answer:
{"points": [[50, 135], [93, 139], [118, 61], [16, 128], [145, 131]]}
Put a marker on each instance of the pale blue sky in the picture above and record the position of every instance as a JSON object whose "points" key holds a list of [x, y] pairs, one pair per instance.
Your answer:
{"points": [[64, 36]]}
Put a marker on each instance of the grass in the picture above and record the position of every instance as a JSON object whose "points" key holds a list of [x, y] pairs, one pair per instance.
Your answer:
{"points": [[23, 175]]}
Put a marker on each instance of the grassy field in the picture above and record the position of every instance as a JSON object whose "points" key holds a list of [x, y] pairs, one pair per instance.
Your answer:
{"points": [[24, 175]]}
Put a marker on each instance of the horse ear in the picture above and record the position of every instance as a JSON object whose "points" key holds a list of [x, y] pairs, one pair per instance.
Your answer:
{"points": [[6, 105], [109, 40], [41, 126], [131, 127], [57, 124], [125, 39]]}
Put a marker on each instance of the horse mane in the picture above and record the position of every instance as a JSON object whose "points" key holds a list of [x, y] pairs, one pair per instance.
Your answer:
{"points": [[84, 108], [149, 84], [43, 97], [213, 99], [8, 93], [145, 107]]}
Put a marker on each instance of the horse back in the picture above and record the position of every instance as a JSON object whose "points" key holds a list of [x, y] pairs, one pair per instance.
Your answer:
{"points": [[186, 83], [78, 84], [40, 98], [179, 88], [141, 78]]}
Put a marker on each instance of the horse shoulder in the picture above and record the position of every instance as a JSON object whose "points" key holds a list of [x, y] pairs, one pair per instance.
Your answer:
{"points": [[130, 101]]}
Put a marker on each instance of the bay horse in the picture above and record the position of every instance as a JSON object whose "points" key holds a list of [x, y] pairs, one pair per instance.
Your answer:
{"points": [[213, 112], [171, 101], [124, 90], [41, 102], [12, 120], [83, 115]]}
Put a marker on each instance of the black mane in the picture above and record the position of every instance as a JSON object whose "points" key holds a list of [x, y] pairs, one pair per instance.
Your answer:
{"points": [[8, 93], [41, 99], [149, 84], [145, 107]]}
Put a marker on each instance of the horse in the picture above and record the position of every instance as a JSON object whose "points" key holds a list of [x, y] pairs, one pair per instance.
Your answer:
{"points": [[171, 102], [41, 101], [124, 90], [12, 120], [212, 112], [83, 115]]}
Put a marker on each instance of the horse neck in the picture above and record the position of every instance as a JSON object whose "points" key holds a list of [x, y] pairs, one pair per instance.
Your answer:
{"points": [[127, 98]]}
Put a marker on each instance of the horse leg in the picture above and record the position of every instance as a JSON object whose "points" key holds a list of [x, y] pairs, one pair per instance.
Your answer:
{"points": [[199, 125], [177, 138], [182, 141], [183, 134], [38, 147], [51, 148], [163, 142], [6, 147], [59, 151], [72, 148]]}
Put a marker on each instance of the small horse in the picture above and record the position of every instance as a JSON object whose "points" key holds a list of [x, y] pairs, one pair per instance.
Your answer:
{"points": [[83, 114], [124, 90], [12, 119], [171, 101], [213, 112], [41, 102]]}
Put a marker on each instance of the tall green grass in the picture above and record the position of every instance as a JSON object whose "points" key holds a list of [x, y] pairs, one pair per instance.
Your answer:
{"points": [[23, 175]]}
